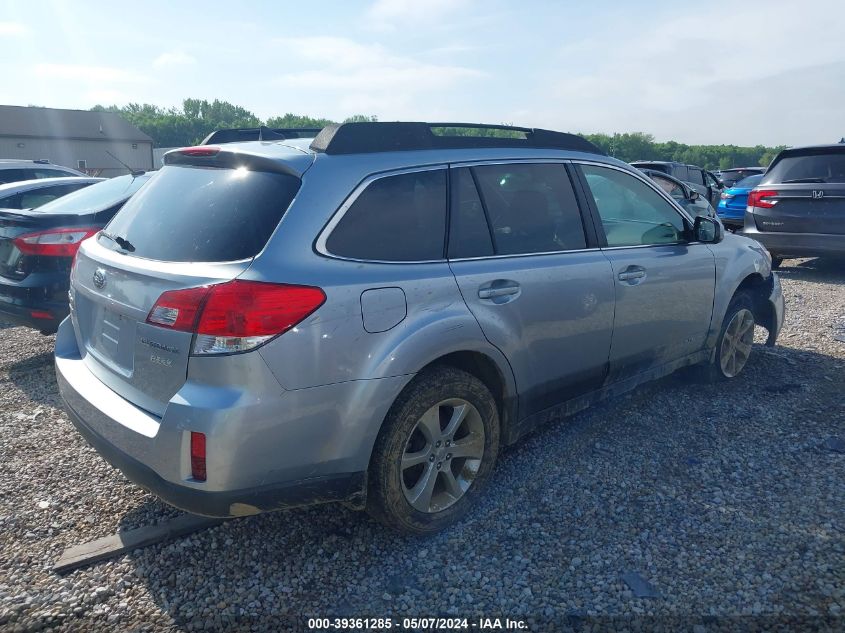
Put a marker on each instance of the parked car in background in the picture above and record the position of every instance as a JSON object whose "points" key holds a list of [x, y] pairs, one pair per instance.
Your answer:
{"points": [[17, 170], [699, 179], [31, 194], [37, 247], [694, 203], [732, 176], [798, 208], [272, 324], [731, 209]]}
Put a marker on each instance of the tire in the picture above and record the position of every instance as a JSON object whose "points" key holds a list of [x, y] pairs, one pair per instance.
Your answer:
{"points": [[399, 497], [776, 262], [720, 367]]}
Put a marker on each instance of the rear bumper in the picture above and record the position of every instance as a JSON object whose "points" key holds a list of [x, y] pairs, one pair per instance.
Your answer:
{"points": [[18, 307], [731, 217], [797, 244], [230, 503], [267, 449]]}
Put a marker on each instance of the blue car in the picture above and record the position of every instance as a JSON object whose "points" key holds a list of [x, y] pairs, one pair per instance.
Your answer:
{"points": [[731, 208]]}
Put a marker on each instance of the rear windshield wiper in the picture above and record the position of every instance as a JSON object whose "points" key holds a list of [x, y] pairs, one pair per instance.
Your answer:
{"points": [[796, 180], [123, 243]]}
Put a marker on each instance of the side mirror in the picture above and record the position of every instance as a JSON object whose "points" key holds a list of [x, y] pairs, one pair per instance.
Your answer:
{"points": [[707, 230], [694, 195]]}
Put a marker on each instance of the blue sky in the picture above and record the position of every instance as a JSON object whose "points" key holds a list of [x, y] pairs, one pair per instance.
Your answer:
{"points": [[710, 71]]}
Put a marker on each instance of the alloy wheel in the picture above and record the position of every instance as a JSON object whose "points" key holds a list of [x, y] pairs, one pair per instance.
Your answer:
{"points": [[736, 343], [442, 455]]}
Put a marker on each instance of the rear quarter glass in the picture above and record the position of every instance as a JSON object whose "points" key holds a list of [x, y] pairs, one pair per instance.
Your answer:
{"points": [[203, 214]]}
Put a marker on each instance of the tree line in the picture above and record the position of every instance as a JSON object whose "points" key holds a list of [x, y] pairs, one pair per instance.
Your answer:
{"points": [[197, 118]]}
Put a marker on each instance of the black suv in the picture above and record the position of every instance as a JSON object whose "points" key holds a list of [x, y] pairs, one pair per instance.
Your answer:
{"points": [[703, 181], [798, 209]]}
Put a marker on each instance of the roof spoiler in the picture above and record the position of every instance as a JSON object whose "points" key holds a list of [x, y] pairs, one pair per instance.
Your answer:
{"points": [[371, 137], [262, 133]]}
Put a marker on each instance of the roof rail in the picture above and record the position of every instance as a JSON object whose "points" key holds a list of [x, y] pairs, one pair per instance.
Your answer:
{"points": [[369, 137], [262, 133]]}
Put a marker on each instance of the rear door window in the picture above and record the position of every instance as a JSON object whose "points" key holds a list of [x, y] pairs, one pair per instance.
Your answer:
{"points": [[810, 166], [11, 175], [49, 173], [531, 208], [399, 218], [202, 214]]}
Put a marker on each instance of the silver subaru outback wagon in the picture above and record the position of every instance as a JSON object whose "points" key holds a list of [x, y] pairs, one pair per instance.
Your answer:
{"points": [[370, 315]]}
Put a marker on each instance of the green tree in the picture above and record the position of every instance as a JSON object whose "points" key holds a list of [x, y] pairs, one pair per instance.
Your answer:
{"points": [[196, 118]]}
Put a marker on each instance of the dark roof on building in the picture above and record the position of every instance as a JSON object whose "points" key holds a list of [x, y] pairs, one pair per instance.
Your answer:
{"points": [[67, 124]]}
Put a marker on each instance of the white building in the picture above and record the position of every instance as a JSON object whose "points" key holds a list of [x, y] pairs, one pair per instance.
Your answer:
{"points": [[80, 139]]}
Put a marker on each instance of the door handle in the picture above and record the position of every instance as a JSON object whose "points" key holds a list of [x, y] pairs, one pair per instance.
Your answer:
{"points": [[501, 291], [631, 273]]}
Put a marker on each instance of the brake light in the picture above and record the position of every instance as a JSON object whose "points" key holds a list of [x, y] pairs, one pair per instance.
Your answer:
{"points": [[198, 471], [761, 198], [54, 242], [206, 150], [235, 316]]}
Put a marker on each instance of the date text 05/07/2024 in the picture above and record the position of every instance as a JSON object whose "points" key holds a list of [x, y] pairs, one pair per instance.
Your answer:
{"points": [[416, 624]]}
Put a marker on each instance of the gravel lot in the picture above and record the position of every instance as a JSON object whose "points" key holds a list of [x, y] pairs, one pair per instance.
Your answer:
{"points": [[729, 500]]}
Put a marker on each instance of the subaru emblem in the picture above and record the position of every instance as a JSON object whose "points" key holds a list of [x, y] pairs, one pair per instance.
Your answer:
{"points": [[100, 278]]}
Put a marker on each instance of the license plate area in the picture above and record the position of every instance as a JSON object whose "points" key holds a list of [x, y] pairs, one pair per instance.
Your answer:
{"points": [[113, 340]]}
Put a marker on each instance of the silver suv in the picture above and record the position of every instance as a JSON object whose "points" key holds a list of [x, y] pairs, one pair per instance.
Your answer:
{"points": [[371, 315]]}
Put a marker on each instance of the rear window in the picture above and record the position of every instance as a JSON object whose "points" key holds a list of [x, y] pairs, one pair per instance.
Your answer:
{"points": [[808, 166], [397, 218], [696, 176], [203, 214], [97, 197], [732, 176], [750, 182]]}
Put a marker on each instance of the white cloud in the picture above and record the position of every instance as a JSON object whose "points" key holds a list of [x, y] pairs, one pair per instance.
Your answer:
{"points": [[368, 77], [91, 74], [677, 80], [174, 58], [12, 28], [393, 14]]}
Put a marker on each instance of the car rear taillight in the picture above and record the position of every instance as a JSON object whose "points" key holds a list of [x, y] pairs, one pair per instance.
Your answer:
{"points": [[198, 471], [54, 242], [235, 316], [762, 198]]}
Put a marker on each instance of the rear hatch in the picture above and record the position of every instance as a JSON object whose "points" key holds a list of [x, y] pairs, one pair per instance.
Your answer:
{"points": [[200, 221], [802, 192]]}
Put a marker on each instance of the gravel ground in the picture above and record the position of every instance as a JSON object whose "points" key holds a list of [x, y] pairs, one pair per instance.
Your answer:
{"points": [[727, 500]]}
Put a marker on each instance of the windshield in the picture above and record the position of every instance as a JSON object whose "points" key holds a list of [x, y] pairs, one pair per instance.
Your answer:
{"points": [[97, 197], [809, 166], [750, 182]]}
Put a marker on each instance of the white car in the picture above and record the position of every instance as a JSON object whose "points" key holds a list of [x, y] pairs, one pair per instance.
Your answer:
{"points": [[18, 170]]}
